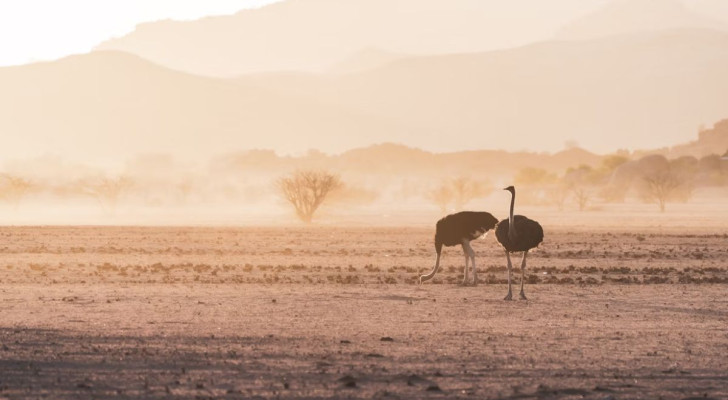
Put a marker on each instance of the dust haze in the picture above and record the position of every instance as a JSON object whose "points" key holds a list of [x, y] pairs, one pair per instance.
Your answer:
{"points": [[386, 184], [245, 205]]}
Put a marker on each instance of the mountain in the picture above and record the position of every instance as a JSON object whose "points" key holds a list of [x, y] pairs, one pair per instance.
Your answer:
{"points": [[314, 35], [364, 60], [484, 164], [710, 141], [620, 17], [108, 106], [627, 91], [395, 161]]}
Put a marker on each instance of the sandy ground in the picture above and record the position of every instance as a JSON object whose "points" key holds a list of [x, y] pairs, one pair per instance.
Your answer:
{"points": [[335, 313]]}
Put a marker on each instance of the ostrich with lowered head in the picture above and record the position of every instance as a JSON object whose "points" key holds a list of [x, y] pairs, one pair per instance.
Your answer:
{"points": [[516, 234], [460, 229]]}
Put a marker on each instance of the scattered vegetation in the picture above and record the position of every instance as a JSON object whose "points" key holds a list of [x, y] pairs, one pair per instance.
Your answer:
{"points": [[106, 190], [454, 194], [14, 188], [662, 186], [400, 178], [306, 191]]}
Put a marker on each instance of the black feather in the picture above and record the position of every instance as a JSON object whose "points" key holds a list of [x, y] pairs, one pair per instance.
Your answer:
{"points": [[529, 234], [470, 225]]}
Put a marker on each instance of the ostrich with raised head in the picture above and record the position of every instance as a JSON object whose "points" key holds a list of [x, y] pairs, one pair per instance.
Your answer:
{"points": [[517, 234], [460, 229]]}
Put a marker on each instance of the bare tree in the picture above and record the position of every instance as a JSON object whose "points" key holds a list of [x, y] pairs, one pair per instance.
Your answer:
{"points": [[465, 189], [106, 191], [14, 188], [442, 196], [582, 182], [459, 191], [307, 190], [557, 194], [533, 184], [661, 187], [185, 188], [582, 195]]}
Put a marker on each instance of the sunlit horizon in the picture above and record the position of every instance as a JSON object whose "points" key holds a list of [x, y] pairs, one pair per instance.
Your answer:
{"points": [[45, 30]]}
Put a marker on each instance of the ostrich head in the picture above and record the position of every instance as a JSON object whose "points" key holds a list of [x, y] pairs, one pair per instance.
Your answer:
{"points": [[510, 189]]}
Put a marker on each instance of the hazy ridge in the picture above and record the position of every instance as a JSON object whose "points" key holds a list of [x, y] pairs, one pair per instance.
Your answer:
{"points": [[638, 90], [633, 91]]}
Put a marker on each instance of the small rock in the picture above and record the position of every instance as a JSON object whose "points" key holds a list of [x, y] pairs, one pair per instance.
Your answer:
{"points": [[415, 380], [386, 339], [348, 381], [433, 388]]}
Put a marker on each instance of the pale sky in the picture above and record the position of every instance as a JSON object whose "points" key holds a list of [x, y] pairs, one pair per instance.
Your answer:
{"points": [[35, 30], [38, 30]]}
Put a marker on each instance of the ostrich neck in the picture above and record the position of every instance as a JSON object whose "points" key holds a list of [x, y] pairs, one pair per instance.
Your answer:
{"points": [[511, 227]]}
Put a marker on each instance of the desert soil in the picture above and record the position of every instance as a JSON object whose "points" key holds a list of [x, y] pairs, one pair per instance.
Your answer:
{"points": [[335, 312]]}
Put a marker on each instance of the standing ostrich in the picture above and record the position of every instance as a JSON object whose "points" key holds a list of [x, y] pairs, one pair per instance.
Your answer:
{"points": [[517, 233], [460, 229]]}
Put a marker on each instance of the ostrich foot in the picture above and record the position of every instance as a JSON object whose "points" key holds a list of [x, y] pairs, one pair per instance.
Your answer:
{"points": [[508, 297], [468, 282], [523, 296]]}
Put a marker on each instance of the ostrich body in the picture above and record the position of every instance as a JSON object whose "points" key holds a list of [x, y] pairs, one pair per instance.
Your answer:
{"points": [[517, 234], [460, 229]]}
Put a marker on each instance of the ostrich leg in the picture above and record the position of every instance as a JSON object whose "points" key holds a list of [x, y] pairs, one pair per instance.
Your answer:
{"points": [[433, 272], [523, 274], [465, 273], [471, 254], [509, 296]]}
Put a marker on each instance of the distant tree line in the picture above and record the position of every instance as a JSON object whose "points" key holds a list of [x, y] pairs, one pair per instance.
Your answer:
{"points": [[652, 179]]}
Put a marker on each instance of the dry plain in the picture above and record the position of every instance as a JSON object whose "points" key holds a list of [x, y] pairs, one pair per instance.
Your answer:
{"points": [[334, 312]]}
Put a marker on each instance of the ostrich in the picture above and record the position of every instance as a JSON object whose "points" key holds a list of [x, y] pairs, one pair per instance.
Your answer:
{"points": [[460, 229], [517, 233]]}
